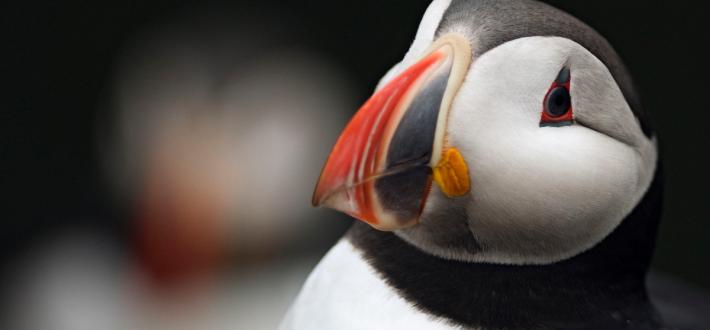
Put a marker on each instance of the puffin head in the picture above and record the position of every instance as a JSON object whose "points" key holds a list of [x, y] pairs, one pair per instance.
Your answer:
{"points": [[510, 133]]}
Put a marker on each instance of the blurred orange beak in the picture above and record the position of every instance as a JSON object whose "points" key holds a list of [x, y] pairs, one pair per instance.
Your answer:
{"points": [[382, 166]]}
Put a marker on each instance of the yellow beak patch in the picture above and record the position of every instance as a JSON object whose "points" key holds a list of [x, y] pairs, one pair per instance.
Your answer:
{"points": [[451, 174]]}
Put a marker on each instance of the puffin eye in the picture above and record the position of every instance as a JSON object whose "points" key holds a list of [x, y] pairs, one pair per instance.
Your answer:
{"points": [[557, 105], [558, 102]]}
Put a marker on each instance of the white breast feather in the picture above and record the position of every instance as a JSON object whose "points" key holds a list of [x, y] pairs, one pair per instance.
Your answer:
{"points": [[344, 292]]}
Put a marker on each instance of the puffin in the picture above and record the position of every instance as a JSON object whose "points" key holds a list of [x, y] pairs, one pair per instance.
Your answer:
{"points": [[505, 176]]}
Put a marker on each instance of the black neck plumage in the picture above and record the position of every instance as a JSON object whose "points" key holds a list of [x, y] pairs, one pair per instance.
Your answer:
{"points": [[602, 288]]}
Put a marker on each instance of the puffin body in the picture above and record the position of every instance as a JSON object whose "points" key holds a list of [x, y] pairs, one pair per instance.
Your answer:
{"points": [[506, 178], [346, 292]]}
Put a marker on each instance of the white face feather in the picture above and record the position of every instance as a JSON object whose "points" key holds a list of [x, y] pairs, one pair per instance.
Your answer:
{"points": [[540, 194]]}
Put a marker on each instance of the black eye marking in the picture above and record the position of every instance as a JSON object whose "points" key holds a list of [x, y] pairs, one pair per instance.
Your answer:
{"points": [[557, 105], [563, 76]]}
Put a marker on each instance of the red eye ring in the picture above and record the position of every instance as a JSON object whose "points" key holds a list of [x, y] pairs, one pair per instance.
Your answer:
{"points": [[557, 105]]}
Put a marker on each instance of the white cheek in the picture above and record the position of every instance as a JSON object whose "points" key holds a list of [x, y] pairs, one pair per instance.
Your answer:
{"points": [[539, 194]]}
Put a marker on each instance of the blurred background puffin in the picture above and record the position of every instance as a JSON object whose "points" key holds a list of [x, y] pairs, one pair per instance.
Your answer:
{"points": [[506, 178]]}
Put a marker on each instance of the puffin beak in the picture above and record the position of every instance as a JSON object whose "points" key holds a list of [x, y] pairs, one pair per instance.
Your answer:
{"points": [[381, 168]]}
